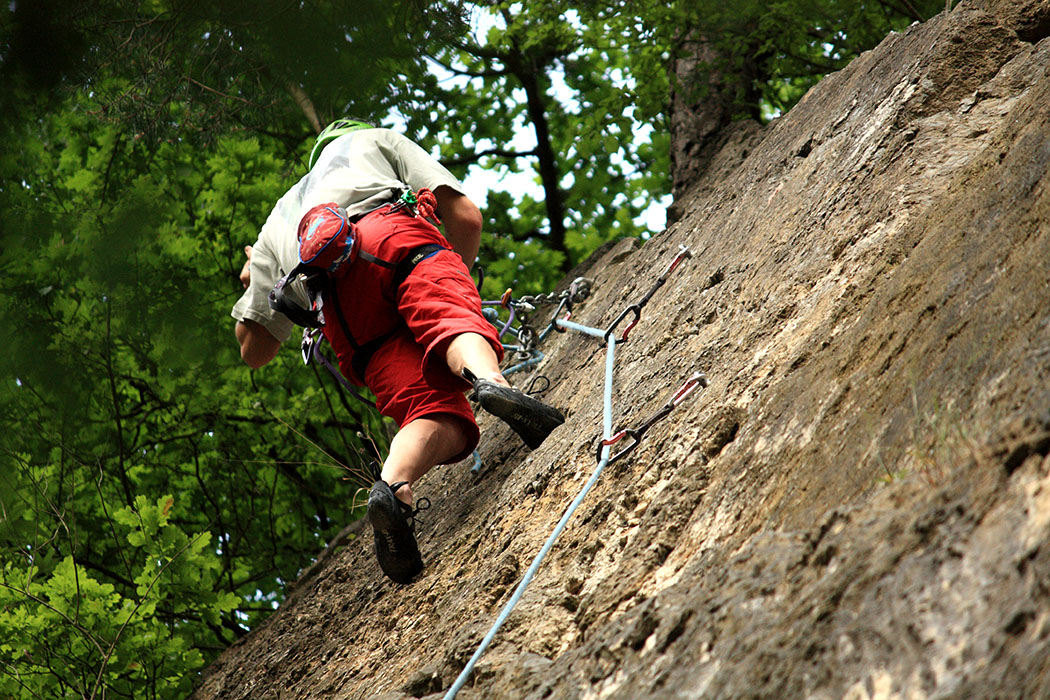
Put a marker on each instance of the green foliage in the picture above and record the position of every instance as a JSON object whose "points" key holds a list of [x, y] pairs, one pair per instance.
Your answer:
{"points": [[192, 70], [768, 53], [121, 383], [540, 76], [70, 634], [155, 495]]}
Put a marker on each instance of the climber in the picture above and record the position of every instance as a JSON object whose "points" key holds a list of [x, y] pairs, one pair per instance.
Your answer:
{"points": [[402, 312]]}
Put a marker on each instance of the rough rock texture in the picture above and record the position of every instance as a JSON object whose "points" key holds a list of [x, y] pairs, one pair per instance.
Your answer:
{"points": [[859, 504]]}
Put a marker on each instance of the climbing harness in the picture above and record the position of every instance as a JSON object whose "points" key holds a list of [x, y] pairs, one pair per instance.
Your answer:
{"points": [[328, 243], [525, 347], [604, 454]]}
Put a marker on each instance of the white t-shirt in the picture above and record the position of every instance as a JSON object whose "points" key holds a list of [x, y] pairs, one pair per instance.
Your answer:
{"points": [[359, 171]]}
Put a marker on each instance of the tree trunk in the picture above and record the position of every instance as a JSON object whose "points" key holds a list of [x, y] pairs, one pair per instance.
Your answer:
{"points": [[709, 99], [700, 108], [553, 196]]}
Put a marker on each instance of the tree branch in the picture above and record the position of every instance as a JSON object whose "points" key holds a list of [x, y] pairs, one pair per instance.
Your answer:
{"points": [[470, 74], [498, 152], [480, 52], [527, 71], [115, 395], [202, 86], [908, 10], [105, 572], [305, 104]]}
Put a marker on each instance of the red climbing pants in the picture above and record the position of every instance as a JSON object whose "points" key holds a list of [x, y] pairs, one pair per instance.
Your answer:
{"points": [[406, 330]]}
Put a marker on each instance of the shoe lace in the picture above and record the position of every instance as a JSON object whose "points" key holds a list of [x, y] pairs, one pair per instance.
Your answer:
{"points": [[408, 511], [531, 389]]}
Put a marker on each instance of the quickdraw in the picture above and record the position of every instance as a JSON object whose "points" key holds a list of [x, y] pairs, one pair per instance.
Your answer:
{"points": [[637, 307], [636, 434]]}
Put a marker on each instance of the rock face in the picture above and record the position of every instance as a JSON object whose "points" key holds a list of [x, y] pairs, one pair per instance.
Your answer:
{"points": [[858, 506]]}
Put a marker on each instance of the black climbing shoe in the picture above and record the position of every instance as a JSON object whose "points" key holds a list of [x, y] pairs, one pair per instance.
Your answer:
{"points": [[396, 547], [531, 419]]}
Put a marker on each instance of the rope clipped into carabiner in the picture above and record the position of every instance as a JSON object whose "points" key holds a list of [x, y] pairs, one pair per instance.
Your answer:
{"points": [[636, 434], [422, 203], [426, 205], [604, 459]]}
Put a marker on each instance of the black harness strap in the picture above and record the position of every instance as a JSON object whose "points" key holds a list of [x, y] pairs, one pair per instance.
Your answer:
{"points": [[363, 352], [409, 262], [368, 257]]}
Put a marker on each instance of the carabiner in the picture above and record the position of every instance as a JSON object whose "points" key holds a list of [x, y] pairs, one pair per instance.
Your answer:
{"points": [[633, 308], [309, 345], [636, 434], [602, 444]]}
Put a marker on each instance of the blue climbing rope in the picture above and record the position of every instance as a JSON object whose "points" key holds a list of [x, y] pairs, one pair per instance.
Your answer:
{"points": [[604, 450], [596, 332], [558, 529]]}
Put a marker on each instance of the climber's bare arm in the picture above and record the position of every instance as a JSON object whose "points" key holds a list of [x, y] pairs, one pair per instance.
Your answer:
{"points": [[462, 221]]}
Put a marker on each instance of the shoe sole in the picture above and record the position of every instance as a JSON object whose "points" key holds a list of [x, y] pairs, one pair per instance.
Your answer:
{"points": [[400, 561], [533, 422]]}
